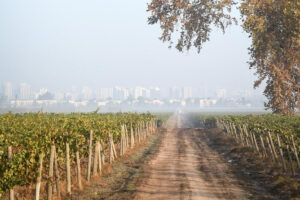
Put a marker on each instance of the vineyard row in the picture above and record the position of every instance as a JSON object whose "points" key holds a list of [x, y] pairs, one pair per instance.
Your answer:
{"points": [[273, 137], [44, 165]]}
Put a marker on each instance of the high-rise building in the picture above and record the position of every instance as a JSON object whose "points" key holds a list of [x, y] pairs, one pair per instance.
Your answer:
{"points": [[86, 93], [202, 92], [8, 90], [141, 92], [125, 93], [187, 92], [221, 93], [138, 92], [25, 91], [155, 93], [104, 93], [175, 93], [120, 93], [74, 94]]}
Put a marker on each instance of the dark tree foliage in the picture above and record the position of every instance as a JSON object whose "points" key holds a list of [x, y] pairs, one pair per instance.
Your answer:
{"points": [[273, 25], [192, 19]]}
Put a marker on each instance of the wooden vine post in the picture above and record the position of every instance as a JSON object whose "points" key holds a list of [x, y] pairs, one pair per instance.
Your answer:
{"points": [[291, 161], [281, 153], [78, 170], [147, 129], [111, 153], [126, 136], [124, 140], [131, 137], [68, 169], [39, 177], [88, 175], [102, 154], [99, 157], [262, 144], [143, 130], [247, 136], [272, 145], [56, 174], [110, 150], [138, 134], [96, 157], [241, 134], [50, 173], [150, 127], [11, 191], [231, 130], [270, 149], [252, 140], [227, 129], [113, 147], [235, 133], [255, 142], [295, 152], [121, 142]]}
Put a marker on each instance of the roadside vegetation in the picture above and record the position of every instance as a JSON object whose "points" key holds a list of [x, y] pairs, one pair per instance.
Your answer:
{"points": [[262, 148], [43, 155]]}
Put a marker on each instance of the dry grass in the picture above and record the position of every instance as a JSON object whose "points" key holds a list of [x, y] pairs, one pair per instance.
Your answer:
{"points": [[268, 177], [120, 180]]}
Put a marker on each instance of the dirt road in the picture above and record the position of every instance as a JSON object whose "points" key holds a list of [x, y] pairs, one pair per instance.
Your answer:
{"points": [[186, 168]]}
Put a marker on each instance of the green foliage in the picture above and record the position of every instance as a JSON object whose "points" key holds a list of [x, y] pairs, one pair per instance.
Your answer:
{"points": [[283, 126], [31, 134], [276, 124]]}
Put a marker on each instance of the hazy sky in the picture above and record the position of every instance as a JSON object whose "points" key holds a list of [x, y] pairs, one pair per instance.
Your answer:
{"points": [[60, 43]]}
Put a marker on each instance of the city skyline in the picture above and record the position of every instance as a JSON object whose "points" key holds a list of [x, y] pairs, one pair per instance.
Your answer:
{"points": [[24, 91]]}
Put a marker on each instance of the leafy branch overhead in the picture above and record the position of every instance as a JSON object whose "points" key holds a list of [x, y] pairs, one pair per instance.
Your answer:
{"points": [[273, 25], [193, 19]]}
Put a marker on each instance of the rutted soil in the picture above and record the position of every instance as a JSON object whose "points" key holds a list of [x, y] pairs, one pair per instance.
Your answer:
{"points": [[190, 163], [186, 168]]}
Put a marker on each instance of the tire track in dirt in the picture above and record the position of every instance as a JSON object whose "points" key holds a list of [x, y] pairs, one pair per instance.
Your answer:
{"points": [[186, 168]]}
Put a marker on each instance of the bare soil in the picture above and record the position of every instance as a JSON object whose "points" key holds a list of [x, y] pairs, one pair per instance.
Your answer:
{"points": [[262, 177], [183, 162], [186, 168], [205, 164], [119, 180]]}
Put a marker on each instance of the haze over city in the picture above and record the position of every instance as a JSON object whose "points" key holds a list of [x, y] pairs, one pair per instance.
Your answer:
{"points": [[73, 48]]}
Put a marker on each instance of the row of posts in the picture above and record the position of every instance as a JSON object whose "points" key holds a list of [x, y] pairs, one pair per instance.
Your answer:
{"points": [[266, 145], [96, 159]]}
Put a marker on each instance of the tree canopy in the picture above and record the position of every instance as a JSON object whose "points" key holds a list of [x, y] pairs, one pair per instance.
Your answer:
{"points": [[273, 25]]}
